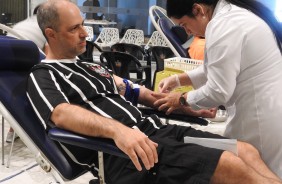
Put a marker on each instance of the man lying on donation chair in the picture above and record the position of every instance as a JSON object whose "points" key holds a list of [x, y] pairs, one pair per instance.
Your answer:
{"points": [[86, 98]]}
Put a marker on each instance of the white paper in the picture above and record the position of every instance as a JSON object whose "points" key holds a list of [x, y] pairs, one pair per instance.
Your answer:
{"points": [[223, 144]]}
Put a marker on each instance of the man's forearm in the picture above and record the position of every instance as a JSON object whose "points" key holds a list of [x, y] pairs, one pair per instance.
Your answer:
{"points": [[145, 97], [83, 121], [132, 142]]}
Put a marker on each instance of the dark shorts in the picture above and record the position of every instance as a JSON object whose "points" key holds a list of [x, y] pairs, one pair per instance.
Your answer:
{"points": [[179, 163]]}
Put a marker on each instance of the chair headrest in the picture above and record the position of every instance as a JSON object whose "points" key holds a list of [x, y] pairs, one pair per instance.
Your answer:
{"points": [[181, 33], [17, 54], [166, 26]]}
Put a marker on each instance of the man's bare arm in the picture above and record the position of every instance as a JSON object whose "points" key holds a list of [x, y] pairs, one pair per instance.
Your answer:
{"points": [[148, 97], [132, 142], [145, 95]]}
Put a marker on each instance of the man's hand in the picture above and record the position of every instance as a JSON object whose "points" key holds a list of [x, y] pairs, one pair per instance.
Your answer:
{"points": [[137, 146], [133, 142]]}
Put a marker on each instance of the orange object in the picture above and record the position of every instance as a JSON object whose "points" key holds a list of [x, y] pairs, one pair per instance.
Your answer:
{"points": [[196, 49]]}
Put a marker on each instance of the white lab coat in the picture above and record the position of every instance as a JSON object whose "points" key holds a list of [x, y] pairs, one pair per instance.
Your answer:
{"points": [[243, 71]]}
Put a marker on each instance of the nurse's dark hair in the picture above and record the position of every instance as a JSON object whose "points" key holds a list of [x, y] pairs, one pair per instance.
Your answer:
{"points": [[179, 8]]}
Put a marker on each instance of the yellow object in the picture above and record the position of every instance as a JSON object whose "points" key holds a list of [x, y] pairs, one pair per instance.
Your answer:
{"points": [[176, 65]]}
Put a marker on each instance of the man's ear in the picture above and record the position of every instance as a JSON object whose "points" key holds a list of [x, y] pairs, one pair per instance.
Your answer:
{"points": [[198, 10], [49, 33]]}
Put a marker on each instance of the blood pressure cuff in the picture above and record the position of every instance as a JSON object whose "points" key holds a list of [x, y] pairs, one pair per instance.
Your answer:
{"points": [[131, 91]]}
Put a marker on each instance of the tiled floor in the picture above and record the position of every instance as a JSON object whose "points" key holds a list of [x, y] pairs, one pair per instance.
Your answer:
{"points": [[24, 169]]}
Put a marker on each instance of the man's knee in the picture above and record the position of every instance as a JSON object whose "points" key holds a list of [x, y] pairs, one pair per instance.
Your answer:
{"points": [[247, 150], [230, 169]]}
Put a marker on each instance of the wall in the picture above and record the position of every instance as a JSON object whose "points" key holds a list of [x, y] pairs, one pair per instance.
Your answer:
{"points": [[127, 13], [34, 3], [269, 3], [272, 5]]}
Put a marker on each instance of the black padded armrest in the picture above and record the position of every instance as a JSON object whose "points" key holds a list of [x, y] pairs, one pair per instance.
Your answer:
{"points": [[177, 117], [93, 143]]}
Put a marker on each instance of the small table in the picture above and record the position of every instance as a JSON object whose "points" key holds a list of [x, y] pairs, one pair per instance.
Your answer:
{"points": [[99, 22]]}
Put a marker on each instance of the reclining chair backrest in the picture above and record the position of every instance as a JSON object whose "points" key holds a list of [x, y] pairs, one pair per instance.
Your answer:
{"points": [[167, 28], [16, 59]]}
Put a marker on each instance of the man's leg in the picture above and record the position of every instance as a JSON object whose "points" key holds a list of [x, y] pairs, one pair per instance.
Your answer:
{"points": [[233, 170], [247, 165], [250, 155]]}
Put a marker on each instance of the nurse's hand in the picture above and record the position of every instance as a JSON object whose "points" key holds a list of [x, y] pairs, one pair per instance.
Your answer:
{"points": [[167, 101], [168, 84]]}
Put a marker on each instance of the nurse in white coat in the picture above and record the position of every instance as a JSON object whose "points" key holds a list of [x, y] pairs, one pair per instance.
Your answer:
{"points": [[242, 70]]}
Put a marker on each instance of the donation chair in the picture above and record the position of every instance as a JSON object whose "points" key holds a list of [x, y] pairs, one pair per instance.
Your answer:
{"points": [[172, 34], [15, 34], [169, 30], [16, 59]]}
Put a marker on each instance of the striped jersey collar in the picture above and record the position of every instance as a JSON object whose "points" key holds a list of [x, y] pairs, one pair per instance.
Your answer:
{"points": [[60, 60]]}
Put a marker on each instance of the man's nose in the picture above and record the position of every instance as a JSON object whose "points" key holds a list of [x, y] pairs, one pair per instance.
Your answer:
{"points": [[84, 33]]}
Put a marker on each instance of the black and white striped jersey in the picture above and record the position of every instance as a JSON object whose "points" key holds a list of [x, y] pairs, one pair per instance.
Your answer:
{"points": [[85, 84]]}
